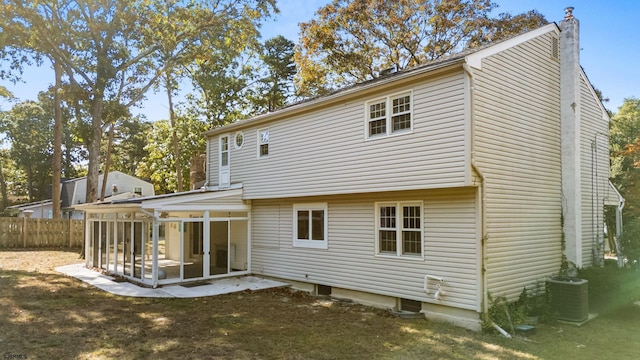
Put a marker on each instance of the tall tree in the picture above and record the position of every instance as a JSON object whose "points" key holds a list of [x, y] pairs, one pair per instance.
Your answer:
{"points": [[130, 138], [100, 42], [28, 128], [353, 40], [275, 87], [625, 171], [4, 161], [4, 158], [159, 165]]}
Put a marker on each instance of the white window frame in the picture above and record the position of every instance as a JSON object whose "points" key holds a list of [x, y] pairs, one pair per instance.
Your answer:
{"points": [[260, 141], [223, 151], [235, 140], [309, 243], [399, 229], [388, 116]]}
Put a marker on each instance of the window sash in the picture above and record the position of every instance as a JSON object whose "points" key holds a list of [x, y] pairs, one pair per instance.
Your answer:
{"points": [[224, 151], [310, 222], [263, 142], [390, 115], [399, 229]]}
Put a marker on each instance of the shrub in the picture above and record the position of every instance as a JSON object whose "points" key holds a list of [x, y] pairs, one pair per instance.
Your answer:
{"points": [[610, 287], [630, 242], [533, 302]]}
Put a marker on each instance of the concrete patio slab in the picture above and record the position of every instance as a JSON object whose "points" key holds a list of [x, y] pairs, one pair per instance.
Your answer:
{"points": [[208, 288]]}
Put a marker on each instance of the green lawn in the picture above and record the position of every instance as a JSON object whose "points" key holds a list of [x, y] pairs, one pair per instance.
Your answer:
{"points": [[45, 315]]}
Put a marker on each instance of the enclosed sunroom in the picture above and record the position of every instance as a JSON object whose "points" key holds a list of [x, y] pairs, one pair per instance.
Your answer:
{"points": [[173, 238]]}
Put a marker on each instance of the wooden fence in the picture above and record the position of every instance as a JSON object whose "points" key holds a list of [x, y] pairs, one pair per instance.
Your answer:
{"points": [[34, 233]]}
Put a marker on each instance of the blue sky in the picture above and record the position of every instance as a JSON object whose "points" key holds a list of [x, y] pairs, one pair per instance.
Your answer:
{"points": [[609, 39]]}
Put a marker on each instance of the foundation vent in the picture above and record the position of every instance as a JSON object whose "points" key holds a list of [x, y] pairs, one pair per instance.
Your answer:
{"points": [[410, 305], [323, 290]]}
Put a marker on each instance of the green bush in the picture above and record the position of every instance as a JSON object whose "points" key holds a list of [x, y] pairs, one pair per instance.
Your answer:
{"points": [[630, 242], [610, 287], [533, 302]]}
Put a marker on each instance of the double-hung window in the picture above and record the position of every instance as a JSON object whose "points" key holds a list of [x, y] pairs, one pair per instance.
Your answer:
{"points": [[389, 115], [310, 225], [399, 228]]}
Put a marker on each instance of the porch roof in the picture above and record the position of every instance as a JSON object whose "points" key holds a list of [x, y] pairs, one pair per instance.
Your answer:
{"points": [[197, 200]]}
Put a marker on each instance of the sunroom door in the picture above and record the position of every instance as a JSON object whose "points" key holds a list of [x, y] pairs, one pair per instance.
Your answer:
{"points": [[224, 175], [218, 247], [192, 250]]}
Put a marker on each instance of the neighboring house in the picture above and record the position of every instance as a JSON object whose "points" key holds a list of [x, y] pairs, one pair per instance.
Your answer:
{"points": [[73, 192], [427, 189]]}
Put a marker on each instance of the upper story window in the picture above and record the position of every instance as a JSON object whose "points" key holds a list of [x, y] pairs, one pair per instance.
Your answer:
{"points": [[137, 190], [389, 115], [263, 143], [310, 225], [224, 151], [399, 228]]}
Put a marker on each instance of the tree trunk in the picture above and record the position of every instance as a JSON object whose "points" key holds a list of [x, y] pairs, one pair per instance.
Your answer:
{"points": [[30, 183], [3, 187], [56, 168], [93, 172], [107, 164], [174, 135]]}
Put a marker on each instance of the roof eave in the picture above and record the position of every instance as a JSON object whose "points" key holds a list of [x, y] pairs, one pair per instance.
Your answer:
{"points": [[339, 95]]}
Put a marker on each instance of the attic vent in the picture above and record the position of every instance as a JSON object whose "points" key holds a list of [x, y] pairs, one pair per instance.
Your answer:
{"points": [[555, 49]]}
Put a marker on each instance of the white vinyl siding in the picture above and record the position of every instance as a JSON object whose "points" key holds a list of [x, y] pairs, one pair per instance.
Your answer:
{"points": [[594, 148], [324, 152], [517, 149], [450, 246]]}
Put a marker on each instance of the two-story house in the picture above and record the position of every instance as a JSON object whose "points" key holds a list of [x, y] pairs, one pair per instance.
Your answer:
{"points": [[426, 189]]}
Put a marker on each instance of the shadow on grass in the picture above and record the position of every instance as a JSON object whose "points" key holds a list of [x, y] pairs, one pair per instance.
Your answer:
{"points": [[46, 315], [53, 316]]}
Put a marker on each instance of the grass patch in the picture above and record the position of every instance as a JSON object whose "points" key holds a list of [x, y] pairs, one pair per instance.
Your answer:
{"points": [[46, 315]]}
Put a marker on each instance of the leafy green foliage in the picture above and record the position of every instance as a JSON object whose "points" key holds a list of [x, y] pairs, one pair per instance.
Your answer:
{"points": [[275, 88], [630, 242], [129, 145], [532, 302], [159, 163], [353, 40], [625, 170], [115, 50], [28, 128], [610, 287]]}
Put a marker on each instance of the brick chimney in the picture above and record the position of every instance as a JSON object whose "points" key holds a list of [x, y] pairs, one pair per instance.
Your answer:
{"points": [[570, 131]]}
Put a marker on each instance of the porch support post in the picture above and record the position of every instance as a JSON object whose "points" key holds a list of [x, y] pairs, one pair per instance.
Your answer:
{"points": [[206, 242], [249, 241], [154, 251], [88, 239]]}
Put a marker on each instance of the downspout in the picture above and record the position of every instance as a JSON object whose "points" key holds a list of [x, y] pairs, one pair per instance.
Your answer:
{"points": [[483, 224], [154, 244]]}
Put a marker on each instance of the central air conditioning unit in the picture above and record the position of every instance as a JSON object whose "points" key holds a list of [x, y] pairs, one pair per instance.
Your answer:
{"points": [[570, 298]]}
